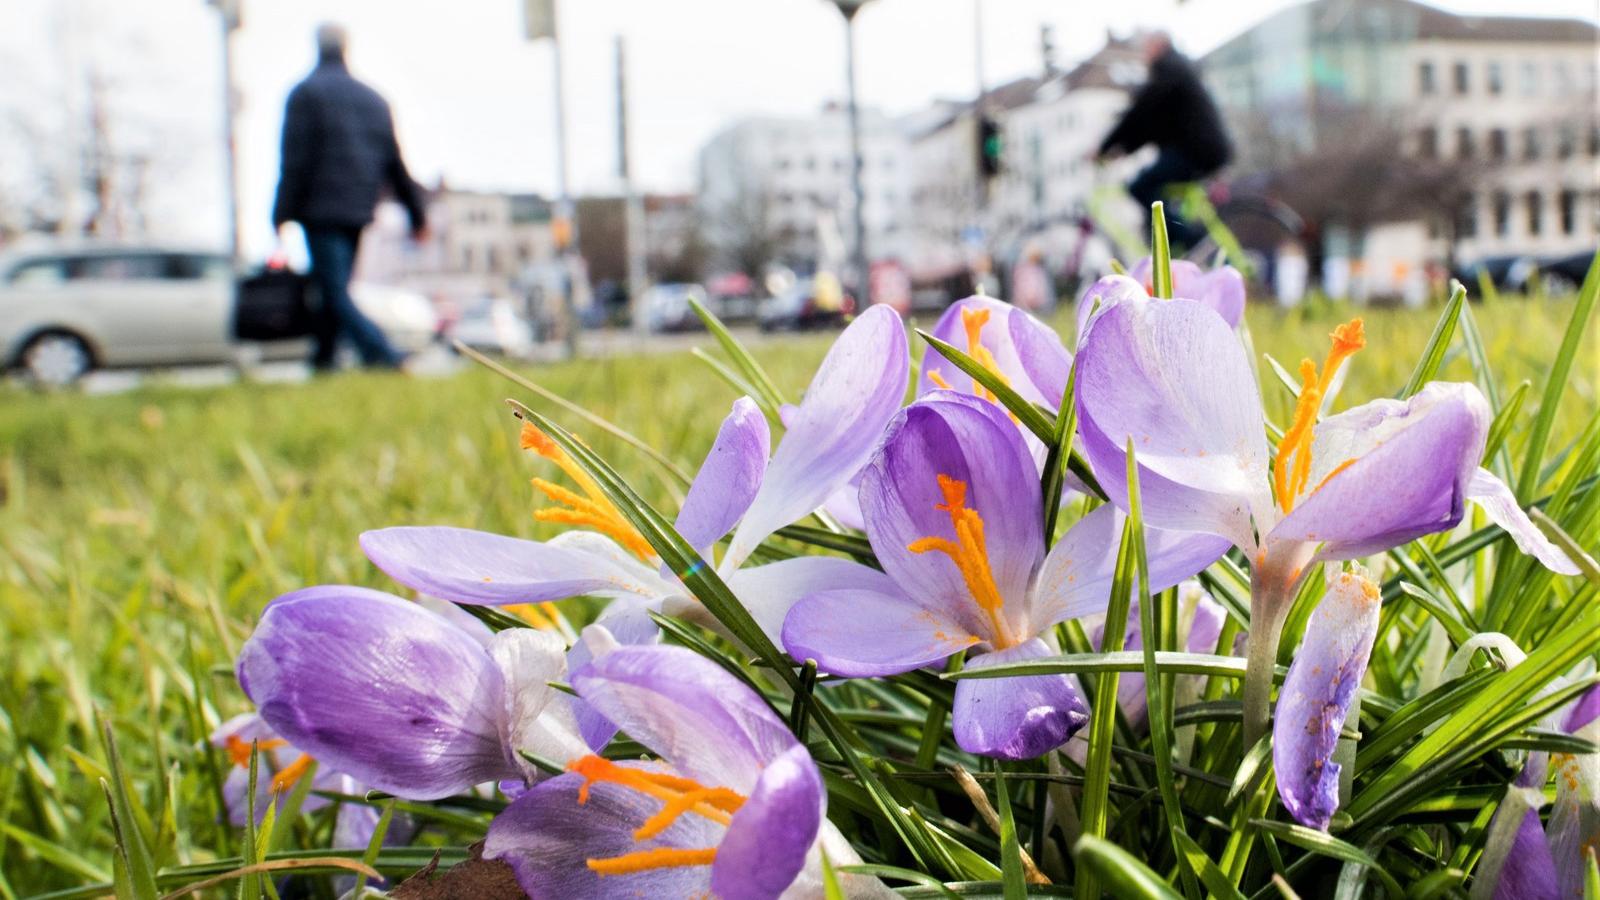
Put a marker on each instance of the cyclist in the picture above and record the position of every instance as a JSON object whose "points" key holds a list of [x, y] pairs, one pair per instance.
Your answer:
{"points": [[1173, 111]]}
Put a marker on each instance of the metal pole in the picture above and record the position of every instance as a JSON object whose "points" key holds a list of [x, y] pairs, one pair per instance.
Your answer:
{"points": [[228, 16], [859, 254], [634, 211], [564, 206]]}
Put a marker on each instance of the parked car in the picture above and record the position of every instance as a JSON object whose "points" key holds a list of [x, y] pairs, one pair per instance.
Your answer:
{"points": [[803, 306], [67, 311], [493, 325], [1560, 274], [666, 307]]}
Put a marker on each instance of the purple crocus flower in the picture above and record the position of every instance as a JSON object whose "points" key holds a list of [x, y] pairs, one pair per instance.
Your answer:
{"points": [[1026, 354], [1172, 376], [830, 436], [1548, 863], [279, 768], [401, 700], [734, 809], [1199, 622], [954, 514], [1316, 696]]}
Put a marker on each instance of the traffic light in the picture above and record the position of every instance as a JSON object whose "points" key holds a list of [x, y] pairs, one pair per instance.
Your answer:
{"points": [[991, 146]]}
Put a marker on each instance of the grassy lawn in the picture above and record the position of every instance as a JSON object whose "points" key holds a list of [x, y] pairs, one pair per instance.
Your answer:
{"points": [[141, 533]]}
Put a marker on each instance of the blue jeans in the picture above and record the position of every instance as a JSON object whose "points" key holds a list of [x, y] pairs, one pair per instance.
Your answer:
{"points": [[333, 257], [1153, 183]]}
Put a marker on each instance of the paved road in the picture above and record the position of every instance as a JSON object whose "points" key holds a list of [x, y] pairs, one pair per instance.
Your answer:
{"points": [[434, 362]]}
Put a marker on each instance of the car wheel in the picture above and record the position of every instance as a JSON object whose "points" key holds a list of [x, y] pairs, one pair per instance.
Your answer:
{"points": [[56, 359]]}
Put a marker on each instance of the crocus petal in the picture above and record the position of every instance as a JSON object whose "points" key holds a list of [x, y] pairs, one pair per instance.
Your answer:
{"points": [[273, 758], [1221, 289], [767, 841], [1104, 294], [539, 719], [1529, 871], [1390, 471], [1027, 353], [858, 387], [1501, 506], [970, 441], [709, 725], [729, 477], [625, 621], [1584, 710], [1172, 376], [1316, 696], [1574, 825], [380, 689], [1076, 578], [1016, 718], [548, 837], [769, 591], [478, 567], [862, 634]]}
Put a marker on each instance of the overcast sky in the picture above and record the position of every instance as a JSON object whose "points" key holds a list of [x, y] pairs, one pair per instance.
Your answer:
{"points": [[472, 98]]}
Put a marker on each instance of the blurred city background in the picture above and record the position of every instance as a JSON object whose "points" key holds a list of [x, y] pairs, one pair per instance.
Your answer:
{"points": [[590, 167]]}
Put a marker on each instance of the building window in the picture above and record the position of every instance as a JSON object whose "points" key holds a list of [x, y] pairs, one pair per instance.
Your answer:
{"points": [[1463, 143], [1569, 212], [1535, 203], [1467, 217], [1425, 80], [1463, 78], [1594, 139], [1502, 214], [1530, 79], [1563, 78], [1498, 150], [1530, 144], [1566, 141], [1496, 79], [1428, 143]]}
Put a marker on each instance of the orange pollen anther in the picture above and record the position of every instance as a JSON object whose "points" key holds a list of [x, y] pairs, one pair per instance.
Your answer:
{"points": [[971, 556], [540, 615], [972, 321], [1291, 471], [291, 773], [678, 795], [239, 749], [590, 509]]}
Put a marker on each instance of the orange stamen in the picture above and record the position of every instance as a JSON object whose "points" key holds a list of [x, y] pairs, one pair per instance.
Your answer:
{"points": [[291, 773], [678, 795], [658, 858], [936, 378], [590, 509], [540, 615], [239, 749], [970, 555], [972, 321], [1289, 483]]}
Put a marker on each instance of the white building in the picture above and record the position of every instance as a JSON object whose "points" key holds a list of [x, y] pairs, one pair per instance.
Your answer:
{"points": [[1513, 99], [479, 243], [790, 179]]}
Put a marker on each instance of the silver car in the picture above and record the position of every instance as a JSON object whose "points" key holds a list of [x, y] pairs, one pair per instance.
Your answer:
{"points": [[66, 312]]}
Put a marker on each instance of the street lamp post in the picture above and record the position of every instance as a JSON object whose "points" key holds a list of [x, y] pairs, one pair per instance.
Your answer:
{"points": [[228, 13], [849, 8]]}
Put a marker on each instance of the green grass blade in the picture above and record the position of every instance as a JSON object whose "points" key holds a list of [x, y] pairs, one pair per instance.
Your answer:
{"points": [[1556, 384], [1161, 737], [1160, 251], [1011, 871], [767, 395], [1166, 661], [1215, 881], [126, 816], [1102, 721], [1060, 448], [1433, 354], [1325, 844], [1126, 877]]}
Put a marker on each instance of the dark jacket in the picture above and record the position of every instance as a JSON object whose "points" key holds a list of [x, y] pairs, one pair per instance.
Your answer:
{"points": [[1173, 111], [339, 151]]}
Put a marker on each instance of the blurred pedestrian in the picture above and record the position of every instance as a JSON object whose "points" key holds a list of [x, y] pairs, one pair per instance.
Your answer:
{"points": [[1173, 111], [339, 152]]}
